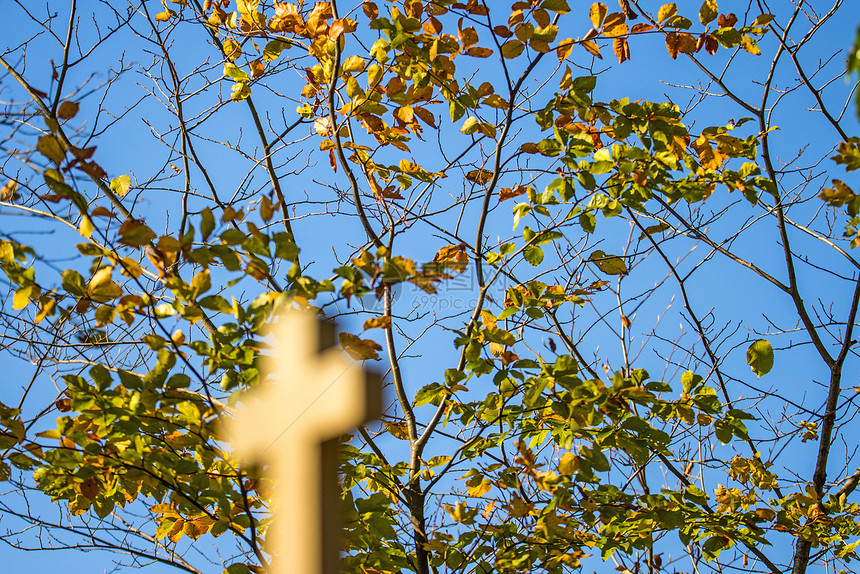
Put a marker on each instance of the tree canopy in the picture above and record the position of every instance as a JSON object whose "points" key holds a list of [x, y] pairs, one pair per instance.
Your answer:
{"points": [[602, 257]]}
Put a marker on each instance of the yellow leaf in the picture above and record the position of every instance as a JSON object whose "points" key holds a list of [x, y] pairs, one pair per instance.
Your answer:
{"points": [[120, 185], [615, 25], [568, 464], [359, 349], [101, 288], [592, 48], [708, 12], [750, 45], [397, 429], [50, 147], [232, 49], [177, 531], [597, 13], [512, 48], [8, 190], [22, 297], [197, 527], [354, 64], [666, 11], [377, 323], [564, 48], [86, 226]]}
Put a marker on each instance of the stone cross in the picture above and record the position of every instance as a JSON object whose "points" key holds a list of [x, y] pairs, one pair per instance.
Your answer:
{"points": [[291, 426]]}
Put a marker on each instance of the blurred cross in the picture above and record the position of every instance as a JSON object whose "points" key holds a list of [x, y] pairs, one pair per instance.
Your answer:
{"points": [[292, 426]]}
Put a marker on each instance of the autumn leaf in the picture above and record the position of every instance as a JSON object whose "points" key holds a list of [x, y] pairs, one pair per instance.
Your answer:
{"points": [[592, 48], [622, 49], [359, 349], [597, 13], [51, 147], [120, 185], [708, 12], [480, 176], [67, 110], [509, 192], [666, 11], [382, 322], [135, 233], [615, 25], [89, 488]]}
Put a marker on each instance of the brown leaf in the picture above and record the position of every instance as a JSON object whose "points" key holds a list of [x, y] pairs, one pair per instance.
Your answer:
{"points": [[711, 44], [197, 527], [89, 488], [479, 52], [502, 32], [370, 9], [67, 110], [480, 176], [729, 21], [672, 44]]}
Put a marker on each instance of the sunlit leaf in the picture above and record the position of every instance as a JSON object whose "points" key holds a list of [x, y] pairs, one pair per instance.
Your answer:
{"points": [[760, 357]]}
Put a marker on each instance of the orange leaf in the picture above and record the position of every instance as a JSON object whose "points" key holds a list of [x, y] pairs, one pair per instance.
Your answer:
{"points": [[672, 44], [509, 192], [257, 68], [615, 25], [622, 49], [593, 48], [640, 28]]}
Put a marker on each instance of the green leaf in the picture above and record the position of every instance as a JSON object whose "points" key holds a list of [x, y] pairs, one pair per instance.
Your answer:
{"points": [[73, 283], [533, 254], [207, 223], [760, 357]]}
